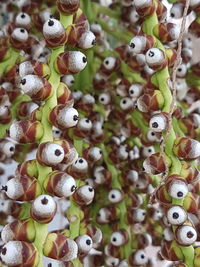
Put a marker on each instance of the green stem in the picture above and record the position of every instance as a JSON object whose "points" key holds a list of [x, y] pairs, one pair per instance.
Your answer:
{"points": [[54, 79]]}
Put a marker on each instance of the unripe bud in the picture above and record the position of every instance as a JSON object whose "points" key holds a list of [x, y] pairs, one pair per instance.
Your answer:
{"points": [[167, 32], [59, 184], [67, 6], [185, 235], [64, 116], [70, 62], [144, 7], [63, 93], [119, 238], [186, 148], [156, 59], [17, 253], [59, 247], [27, 168], [141, 43], [5, 115], [43, 209], [155, 164], [38, 88], [80, 37], [159, 122], [23, 230], [7, 147], [50, 154], [171, 251], [54, 33], [34, 67], [27, 131], [84, 243], [23, 188], [189, 172], [84, 195], [151, 100], [4, 99], [25, 109]]}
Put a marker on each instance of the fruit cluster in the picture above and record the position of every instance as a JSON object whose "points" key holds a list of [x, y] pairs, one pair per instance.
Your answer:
{"points": [[99, 107]]}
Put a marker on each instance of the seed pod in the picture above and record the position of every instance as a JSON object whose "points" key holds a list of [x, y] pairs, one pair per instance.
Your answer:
{"points": [[185, 235], [84, 195], [70, 62], [7, 147], [177, 10], [171, 251], [95, 233], [26, 131], [155, 164], [54, 33], [23, 20], [182, 71], [19, 38], [176, 215], [186, 55], [186, 148], [17, 253], [145, 7], [63, 94], [107, 214], [64, 116], [25, 108], [119, 238], [167, 32], [176, 186], [110, 64], [5, 115], [83, 128], [156, 59], [102, 176], [159, 122], [80, 37], [27, 168], [79, 168], [84, 243], [150, 101], [111, 261], [115, 196], [92, 154], [4, 99], [141, 43], [23, 188], [59, 247], [59, 184], [23, 230], [126, 104], [50, 154], [138, 258], [136, 215], [67, 6], [43, 209], [104, 99], [34, 67], [38, 88]]}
